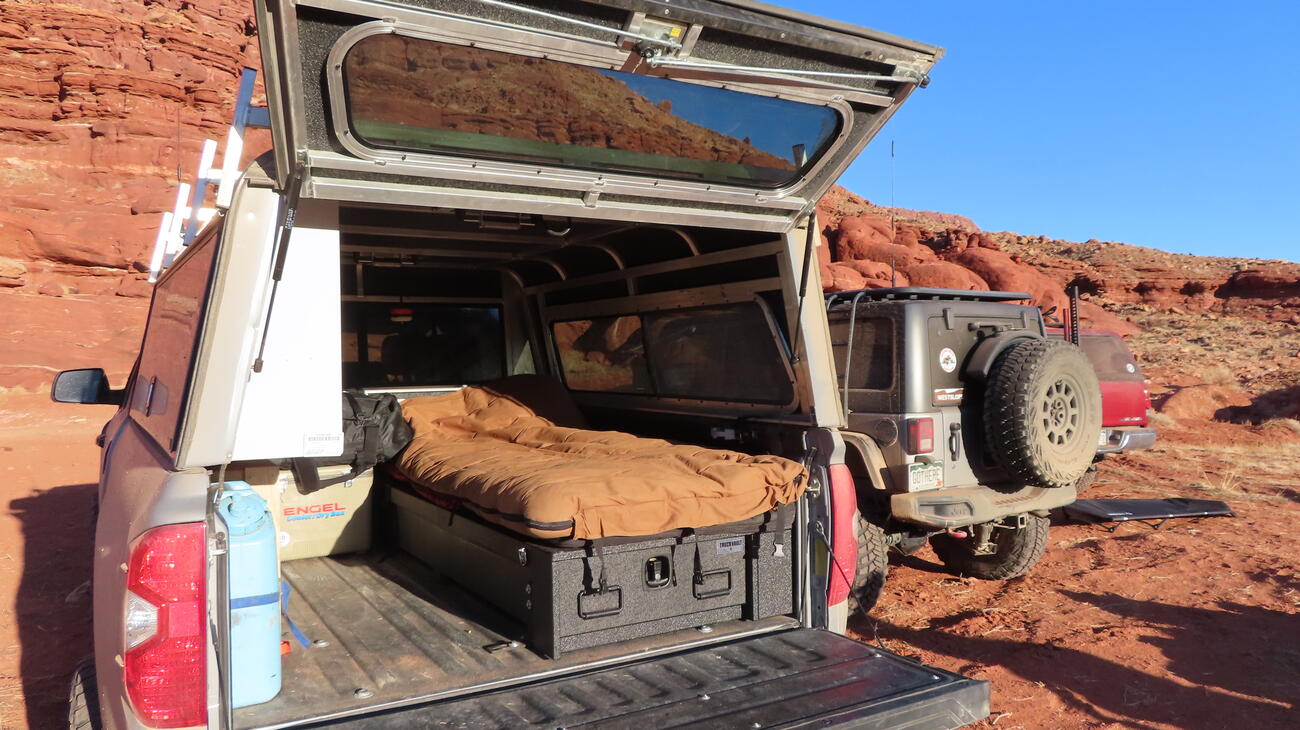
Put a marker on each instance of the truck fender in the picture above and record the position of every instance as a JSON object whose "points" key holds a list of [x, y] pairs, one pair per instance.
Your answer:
{"points": [[981, 360], [865, 459]]}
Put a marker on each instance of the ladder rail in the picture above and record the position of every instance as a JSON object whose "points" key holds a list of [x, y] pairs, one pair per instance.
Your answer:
{"points": [[180, 226]]}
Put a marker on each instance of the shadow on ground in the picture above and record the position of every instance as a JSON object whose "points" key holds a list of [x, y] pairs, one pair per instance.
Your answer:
{"points": [[53, 601], [1233, 649]]}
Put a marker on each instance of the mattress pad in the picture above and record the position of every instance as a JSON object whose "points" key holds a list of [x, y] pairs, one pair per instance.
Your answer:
{"points": [[487, 448]]}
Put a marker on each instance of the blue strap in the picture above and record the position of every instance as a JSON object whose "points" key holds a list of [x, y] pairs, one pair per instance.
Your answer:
{"points": [[250, 601], [284, 607]]}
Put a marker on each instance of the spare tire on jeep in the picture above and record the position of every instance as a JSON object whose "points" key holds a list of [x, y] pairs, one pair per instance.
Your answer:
{"points": [[1042, 412]]}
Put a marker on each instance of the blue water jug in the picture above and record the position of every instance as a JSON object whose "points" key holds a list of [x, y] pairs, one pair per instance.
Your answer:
{"points": [[253, 575]]}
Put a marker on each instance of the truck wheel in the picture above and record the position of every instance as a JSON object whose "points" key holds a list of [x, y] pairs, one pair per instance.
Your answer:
{"points": [[872, 566], [83, 699], [1016, 551], [1042, 412]]}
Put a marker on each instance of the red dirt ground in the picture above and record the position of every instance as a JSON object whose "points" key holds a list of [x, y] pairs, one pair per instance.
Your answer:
{"points": [[1190, 626], [1193, 625]]}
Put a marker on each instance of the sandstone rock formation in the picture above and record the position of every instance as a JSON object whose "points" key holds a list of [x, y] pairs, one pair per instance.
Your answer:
{"points": [[104, 105]]}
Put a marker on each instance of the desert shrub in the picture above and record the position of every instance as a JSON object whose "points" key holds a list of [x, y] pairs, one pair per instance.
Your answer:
{"points": [[1288, 423], [1160, 420], [1219, 375]]}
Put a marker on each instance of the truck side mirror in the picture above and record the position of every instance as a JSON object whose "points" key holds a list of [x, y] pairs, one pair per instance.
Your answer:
{"points": [[86, 385]]}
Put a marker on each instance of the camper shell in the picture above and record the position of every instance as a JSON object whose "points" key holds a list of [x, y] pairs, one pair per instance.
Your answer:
{"points": [[460, 190]]}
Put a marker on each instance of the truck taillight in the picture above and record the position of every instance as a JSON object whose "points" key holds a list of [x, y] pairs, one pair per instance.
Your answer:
{"points": [[165, 632], [920, 435]]}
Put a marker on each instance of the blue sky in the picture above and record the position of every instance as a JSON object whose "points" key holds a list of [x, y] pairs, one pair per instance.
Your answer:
{"points": [[1167, 124]]}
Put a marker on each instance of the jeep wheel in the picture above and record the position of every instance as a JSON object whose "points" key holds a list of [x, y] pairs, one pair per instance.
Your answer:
{"points": [[1042, 412], [1015, 550], [872, 566]]}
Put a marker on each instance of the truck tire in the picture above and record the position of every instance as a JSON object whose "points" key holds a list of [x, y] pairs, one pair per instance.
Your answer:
{"points": [[1042, 412], [872, 566], [1018, 549], [83, 699]]}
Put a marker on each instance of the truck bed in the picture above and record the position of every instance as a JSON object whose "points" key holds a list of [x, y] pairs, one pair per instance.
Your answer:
{"points": [[396, 634]]}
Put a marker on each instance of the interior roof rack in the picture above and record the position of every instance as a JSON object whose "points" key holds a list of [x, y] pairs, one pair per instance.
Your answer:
{"points": [[919, 293]]}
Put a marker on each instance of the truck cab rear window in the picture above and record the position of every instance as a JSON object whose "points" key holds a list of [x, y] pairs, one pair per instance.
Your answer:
{"points": [[414, 94], [690, 353], [388, 345]]}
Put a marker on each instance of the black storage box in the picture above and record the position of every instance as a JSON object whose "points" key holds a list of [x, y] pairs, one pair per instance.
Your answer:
{"points": [[650, 585]]}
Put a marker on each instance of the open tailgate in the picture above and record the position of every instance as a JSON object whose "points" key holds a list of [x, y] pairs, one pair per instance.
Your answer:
{"points": [[704, 112], [804, 678]]}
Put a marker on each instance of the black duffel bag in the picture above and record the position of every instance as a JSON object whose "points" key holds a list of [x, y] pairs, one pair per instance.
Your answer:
{"points": [[373, 432]]}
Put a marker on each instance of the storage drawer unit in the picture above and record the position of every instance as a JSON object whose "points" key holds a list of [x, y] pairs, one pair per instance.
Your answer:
{"points": [[650, 586]]}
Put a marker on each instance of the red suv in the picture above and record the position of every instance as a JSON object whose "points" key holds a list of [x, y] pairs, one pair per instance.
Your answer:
{"points": [[1125, 397]]}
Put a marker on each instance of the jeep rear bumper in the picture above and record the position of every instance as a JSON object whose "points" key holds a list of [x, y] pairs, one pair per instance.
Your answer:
{"points": [[1128, 439], [961, 506]]}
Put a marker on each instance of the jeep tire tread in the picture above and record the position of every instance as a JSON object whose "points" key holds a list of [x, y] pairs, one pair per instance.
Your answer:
{"points": [[872, 565], [1042, 412], [1018, 549]]}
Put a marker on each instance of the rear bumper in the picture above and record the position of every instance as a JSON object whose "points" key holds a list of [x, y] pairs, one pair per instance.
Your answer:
{"points": [[796, 679], [1128, 438], [961, 506]]}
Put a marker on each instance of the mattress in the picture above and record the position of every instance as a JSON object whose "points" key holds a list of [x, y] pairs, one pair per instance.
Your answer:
{"points": [[493, 450]]}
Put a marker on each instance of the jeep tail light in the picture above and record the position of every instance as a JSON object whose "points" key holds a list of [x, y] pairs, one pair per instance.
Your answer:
{"points": [[920, 435], [165, 632]]}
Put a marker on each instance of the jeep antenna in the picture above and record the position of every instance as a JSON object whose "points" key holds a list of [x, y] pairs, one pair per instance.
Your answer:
{"points": [[893, 211]]}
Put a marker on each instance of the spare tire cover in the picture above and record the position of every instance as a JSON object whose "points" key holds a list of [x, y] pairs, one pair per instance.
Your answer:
{"points": [[1042, 412]]}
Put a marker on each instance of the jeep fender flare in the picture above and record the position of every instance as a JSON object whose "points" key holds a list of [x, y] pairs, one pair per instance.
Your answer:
{"points": [[865, 459], [981, 360]]}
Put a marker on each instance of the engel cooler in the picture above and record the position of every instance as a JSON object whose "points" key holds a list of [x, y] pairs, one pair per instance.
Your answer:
{"points": [[253, 575], [331, 521]]}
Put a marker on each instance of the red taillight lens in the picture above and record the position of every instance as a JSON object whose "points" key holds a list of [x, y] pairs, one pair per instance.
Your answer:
{"points": [[166, 658], [844, 506], [920, 435]]}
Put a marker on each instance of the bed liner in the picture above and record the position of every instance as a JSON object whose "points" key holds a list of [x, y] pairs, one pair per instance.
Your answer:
{"points": [[802, 678], [394, 628]]}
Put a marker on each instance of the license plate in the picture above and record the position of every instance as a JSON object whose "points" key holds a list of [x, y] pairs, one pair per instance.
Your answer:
{"points": [[924, 476], [1104, 438]]}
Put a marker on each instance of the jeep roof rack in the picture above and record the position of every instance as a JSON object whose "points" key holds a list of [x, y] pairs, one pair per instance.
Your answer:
{"points": [[903, 293]]}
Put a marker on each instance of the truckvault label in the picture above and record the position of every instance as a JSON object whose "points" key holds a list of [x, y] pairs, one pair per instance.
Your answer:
{"points": [[731, 545]]}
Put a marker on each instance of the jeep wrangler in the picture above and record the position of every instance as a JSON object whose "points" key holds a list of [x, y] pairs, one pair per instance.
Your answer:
{"points": [[966, 425]]}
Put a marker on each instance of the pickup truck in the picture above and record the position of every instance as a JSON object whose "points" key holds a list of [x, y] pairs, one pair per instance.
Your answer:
{"points": [[1125, 397]]}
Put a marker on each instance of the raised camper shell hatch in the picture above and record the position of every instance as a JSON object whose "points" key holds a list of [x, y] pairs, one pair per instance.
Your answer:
{"points": [[734, 114]]}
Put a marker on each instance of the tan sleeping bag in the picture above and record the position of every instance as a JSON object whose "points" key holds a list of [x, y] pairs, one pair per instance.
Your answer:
{"points": [[522, 471]]}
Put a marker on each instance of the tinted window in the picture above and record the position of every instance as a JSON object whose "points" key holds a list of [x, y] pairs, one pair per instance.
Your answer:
{"points": [[175, 318], [1110, 358], [723, 353], [420, 345], [718, 353], [603, 354], [872, 364], [422, 95]]}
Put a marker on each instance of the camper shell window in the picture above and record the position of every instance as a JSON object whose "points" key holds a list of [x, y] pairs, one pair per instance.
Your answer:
{"points": [[414, 94]]}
